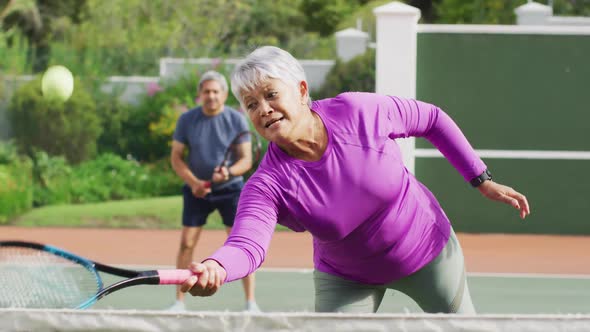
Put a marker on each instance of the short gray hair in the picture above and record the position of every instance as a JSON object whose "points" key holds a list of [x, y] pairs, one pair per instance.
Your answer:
{"points": [[265, 63], [212, 75]]}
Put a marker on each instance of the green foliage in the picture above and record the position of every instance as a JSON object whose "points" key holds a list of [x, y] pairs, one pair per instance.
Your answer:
{"points": [[40, 21], [262, 24], [152, 29], [477, 12], [13, 48], [324, 16], [570, 7], [364, 15], [51, 179], [499, 11], [127, 37], [358, 74], [16, 194], [113, 114], [8, 153], [278, 23], [110, 177], [69, 129]]}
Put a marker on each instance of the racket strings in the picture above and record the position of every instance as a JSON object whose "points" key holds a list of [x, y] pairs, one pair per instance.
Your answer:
{"points": [[37, 279]]}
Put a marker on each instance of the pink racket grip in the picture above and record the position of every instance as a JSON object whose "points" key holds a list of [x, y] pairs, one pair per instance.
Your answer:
{"points": [[207, 184], [174, 277]]}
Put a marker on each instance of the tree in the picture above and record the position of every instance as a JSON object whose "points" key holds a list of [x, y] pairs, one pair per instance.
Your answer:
{"points": [[476, 12], [35, 18], [499, 11], [325, 16]]}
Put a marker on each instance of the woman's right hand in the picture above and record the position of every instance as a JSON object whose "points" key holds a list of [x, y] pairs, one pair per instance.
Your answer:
{"points": [[209, 276], [501, 193]]}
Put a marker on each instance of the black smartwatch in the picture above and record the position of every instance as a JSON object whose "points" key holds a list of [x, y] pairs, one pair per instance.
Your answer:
{"points": [[478, 180]]}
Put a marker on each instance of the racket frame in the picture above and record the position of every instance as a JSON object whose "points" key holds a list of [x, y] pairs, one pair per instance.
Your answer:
{"points": [[256, 147], [149, 277], [256, 150]]}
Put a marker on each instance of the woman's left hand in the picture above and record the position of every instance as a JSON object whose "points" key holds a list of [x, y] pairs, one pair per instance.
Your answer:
{"points": [[505, 194]]}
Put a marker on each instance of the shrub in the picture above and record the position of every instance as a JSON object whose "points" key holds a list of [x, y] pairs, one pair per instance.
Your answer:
{"points": [[358, 74], [110, 177], [67, 129], [114, 114], [16, 193], [51, 176]]}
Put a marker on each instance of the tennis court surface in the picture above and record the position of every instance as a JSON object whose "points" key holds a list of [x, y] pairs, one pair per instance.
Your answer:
{"points": [[541, 279]]}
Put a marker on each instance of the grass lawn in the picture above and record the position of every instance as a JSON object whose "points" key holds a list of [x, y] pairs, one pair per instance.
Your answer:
{"points": [[161, 212], [152, 213]]}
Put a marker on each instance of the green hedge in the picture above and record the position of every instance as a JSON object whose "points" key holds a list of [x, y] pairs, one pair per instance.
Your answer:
{"points": [[16, 193], [106, 178]]}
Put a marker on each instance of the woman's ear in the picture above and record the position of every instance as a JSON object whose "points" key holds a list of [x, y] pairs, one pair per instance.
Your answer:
{"points": [[303, 92]]}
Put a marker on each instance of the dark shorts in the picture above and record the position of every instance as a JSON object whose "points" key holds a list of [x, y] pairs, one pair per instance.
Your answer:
{"points": [[196, 210]]}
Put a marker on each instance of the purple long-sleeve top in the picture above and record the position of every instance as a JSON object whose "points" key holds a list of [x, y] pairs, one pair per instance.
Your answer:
{"points": [[371, 220]]}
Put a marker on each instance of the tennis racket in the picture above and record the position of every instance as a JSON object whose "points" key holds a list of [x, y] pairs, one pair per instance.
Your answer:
{"points": [[34, 275], [233, 153]]}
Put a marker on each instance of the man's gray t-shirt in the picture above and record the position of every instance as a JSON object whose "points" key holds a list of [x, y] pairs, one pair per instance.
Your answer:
{"points": [[207, 138]]}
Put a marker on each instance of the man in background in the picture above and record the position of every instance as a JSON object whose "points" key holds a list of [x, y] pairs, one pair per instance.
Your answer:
{"points": [[206, 131]]}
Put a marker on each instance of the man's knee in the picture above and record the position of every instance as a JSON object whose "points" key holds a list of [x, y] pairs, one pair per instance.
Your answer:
{"points": [[188, 244]]}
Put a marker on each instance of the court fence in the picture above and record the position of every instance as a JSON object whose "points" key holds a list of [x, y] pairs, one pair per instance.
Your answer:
{"points": [[518, 93]]}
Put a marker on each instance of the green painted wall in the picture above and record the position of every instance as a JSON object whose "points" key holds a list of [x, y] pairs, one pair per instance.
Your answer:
{"points": [[511, 92]]}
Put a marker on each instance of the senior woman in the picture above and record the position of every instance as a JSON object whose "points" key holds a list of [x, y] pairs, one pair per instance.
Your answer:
{"points": [[334, 169]]}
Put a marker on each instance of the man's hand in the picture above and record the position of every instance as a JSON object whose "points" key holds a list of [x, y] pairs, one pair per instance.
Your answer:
{"points": [[220, 174], [200, 189], [209, 276]]}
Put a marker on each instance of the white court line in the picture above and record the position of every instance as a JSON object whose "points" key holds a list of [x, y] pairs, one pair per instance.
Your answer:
{"points": [[529, 275], [514, 154], [471, 274]]}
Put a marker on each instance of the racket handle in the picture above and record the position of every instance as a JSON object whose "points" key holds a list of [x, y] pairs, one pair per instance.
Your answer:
{"points": [[174, 277], [207, 184]]}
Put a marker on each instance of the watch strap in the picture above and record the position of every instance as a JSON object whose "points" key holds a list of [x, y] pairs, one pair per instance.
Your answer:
{"points": [[478, 180]]}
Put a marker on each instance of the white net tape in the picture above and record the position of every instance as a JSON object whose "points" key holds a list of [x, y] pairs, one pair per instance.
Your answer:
{"points": [[110, 320]]}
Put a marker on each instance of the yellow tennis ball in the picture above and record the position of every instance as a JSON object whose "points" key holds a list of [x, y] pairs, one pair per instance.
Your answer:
{"points": [[57, 83]]}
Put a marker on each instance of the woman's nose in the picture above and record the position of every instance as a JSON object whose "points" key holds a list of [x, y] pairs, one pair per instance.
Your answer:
{"points": [[265, 108]]}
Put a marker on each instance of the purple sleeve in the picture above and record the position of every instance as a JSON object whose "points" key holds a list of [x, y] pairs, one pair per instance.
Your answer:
{"points": [[419, 119], [245, 248]]}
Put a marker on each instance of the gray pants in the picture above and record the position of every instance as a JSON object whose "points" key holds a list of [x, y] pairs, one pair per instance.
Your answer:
{"points": [[440, 286]]}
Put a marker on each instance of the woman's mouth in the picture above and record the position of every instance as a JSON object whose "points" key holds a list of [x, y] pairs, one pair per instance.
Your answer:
{"points": [[272, 122]]}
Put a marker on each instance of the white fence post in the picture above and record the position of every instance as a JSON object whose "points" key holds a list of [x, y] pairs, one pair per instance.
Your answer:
{"points": [[397, 25], [533, 13]]}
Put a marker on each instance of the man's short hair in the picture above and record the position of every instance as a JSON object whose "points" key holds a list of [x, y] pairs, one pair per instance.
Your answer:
{"points": [[212, 75]]}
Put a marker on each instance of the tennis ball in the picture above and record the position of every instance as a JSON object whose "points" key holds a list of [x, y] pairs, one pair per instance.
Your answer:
{"points": [[57, 83]]}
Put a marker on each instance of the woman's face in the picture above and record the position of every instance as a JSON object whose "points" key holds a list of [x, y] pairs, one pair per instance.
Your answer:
{"points": [[276, 108]]}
